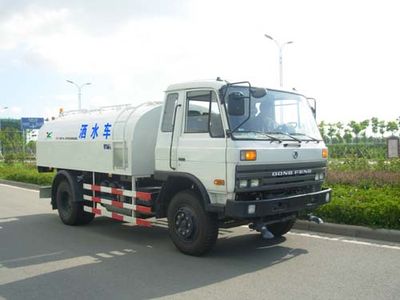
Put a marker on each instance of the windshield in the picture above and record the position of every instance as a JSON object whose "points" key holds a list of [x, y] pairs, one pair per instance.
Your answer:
{"points": [[274, 116]]}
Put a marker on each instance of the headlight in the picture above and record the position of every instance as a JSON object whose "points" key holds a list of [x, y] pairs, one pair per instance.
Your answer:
{"points": [[243, 183], [254, 182], [319, 176]]}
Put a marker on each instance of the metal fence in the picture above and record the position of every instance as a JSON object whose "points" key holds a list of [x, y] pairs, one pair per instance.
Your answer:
{"points": [[358, 150]]}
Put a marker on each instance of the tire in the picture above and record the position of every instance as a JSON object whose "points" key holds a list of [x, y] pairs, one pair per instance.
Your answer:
{"points": [[191, 228], [279, 229], [70, 211]]}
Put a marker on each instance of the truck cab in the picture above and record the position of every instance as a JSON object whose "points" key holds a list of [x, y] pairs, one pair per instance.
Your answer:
{"points": [[247, 146]]}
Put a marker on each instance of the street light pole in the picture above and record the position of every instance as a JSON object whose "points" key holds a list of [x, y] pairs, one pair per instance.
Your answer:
{"points": [[280, 47], [79, 91]]}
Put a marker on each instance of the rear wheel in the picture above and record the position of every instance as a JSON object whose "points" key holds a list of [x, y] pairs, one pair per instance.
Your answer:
{"points": [[70, 211], [191, 228], [279, 229]]}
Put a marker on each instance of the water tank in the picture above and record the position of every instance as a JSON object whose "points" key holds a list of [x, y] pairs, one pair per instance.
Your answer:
{"points": [[118, 139]]}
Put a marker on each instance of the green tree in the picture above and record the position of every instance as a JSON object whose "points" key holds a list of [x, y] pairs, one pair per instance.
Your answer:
{"points": [[321, 127], [331, 132], [392, 127], [382, 128], [375, 125], [356, 128], [12, 142], [348, 137], [364, 125], [339, 132], [31, 148]]}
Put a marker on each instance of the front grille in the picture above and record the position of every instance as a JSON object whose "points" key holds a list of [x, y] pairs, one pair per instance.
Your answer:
{"points": [[280, 177]]}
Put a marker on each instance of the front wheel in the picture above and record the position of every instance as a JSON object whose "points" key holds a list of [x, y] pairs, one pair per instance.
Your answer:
{"points": [[279, 229], [191, 228]]}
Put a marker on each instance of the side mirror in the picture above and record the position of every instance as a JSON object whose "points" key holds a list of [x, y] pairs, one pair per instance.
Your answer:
{"points": [[258, 92], [236, 104], [313, 105]]}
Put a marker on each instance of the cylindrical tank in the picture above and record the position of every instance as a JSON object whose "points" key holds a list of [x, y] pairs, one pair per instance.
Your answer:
{"points": [[118, 140]]}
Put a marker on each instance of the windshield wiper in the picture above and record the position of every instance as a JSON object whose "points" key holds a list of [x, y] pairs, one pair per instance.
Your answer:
{"points": [[264, 134], [287, 134], [310, 137]]}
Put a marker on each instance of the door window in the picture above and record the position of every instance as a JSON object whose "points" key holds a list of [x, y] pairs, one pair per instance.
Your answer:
{"points": [[203, 114]]}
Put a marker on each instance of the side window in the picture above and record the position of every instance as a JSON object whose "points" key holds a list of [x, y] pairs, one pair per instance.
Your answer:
{"points": [[169, 110], [202, 114]]}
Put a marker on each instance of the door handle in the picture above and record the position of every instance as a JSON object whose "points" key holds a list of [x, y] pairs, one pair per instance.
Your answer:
{"points": [[181, 159]]}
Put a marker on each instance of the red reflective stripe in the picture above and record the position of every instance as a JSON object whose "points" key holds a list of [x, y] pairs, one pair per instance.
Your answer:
{"points": [[96, 188], [142, 222], [143, 209], [96, 199], [117, 217], [116, 191], [96, 211], [143, 196], [117, 204]]}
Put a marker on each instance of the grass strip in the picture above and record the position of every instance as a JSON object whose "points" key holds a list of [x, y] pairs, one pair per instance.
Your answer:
{"points": [[24, 173]]}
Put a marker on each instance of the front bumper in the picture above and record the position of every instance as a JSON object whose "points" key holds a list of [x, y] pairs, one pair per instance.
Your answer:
{"points": [[270, 207]]}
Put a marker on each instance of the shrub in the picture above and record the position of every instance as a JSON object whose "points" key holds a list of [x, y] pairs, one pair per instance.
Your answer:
{"points": [[372, 206], [24, 173]]}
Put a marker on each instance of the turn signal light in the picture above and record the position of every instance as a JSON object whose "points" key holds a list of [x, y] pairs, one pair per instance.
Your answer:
{"points": [[324, 153], [219, 182], [248, 155]]}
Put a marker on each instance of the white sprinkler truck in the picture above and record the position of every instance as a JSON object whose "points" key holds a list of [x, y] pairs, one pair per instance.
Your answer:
{"points": [[214, 154]]}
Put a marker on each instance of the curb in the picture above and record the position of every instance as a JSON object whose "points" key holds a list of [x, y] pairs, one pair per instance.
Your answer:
{"points": [[387, 235], [24, 185]]}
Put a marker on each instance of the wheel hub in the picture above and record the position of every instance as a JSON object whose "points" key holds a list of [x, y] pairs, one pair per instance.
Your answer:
{"points": [[184, 223]]}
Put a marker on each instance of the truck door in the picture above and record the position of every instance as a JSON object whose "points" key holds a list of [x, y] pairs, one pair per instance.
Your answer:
{"points": [[201, 148]]}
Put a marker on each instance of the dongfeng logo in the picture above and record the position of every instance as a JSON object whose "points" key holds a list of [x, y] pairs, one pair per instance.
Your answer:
{"points": [[291, 172], [295, 154]]}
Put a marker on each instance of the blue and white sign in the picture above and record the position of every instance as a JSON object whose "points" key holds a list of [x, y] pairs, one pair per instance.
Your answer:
{"points": [[31, 123]]}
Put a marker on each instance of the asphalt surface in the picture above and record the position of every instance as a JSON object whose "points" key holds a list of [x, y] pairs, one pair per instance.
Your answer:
{"points": [[40, 258]]}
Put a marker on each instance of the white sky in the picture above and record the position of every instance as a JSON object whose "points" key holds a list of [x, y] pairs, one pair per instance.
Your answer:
{"points": [[345, 53]]}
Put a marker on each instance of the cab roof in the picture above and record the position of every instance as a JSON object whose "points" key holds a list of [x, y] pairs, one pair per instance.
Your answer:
{"points": [[214, 84]]}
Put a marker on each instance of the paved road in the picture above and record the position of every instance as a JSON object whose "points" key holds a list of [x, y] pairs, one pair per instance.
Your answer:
{"points": [[40, 258]]}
